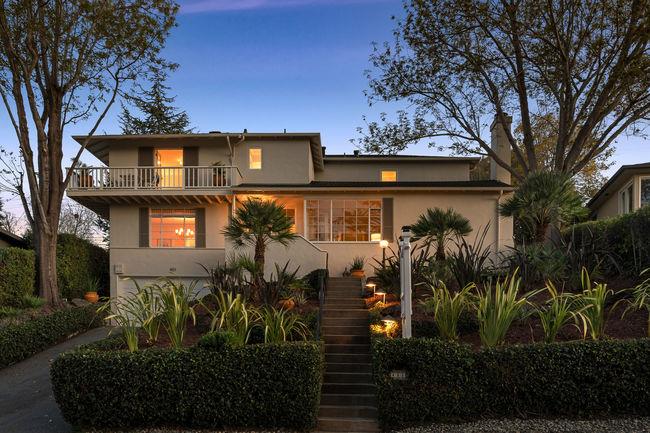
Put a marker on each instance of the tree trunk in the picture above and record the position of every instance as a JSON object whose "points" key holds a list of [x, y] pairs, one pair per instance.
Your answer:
{"points": [[260, 248], [540, 235], [440, 251], [45, 248]]}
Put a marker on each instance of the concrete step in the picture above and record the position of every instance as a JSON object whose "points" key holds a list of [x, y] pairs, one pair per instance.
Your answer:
{"points": [[348, 399], [345, 312], [349, 388], [348, 321], [348, 358], [343, 293], [347, 411], [336, 424], [352, 302], [349, 367], [347, 348], [346, 339], [341, 377], [345, 330]]}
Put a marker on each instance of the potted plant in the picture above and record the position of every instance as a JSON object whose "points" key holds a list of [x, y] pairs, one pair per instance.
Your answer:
{"points": [[219, 175], [84, 176], [92, 287], [356, 268]]}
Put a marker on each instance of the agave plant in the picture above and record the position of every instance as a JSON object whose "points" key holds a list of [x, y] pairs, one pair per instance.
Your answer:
{"points": [[594, 300], [641, 298], [176, 301], [447, 308], [281, 325], [498, 307], [232, 315], [558, 311]]}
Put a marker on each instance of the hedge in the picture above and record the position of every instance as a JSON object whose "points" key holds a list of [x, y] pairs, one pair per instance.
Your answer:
{"points": [[261, 385], [21, 340], [78, 259], [448, 381], [17, 275], [624, 239]]}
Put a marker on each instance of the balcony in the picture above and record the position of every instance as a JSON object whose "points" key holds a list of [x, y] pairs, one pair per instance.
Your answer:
{"points": [[153, 178], [99, 187]]}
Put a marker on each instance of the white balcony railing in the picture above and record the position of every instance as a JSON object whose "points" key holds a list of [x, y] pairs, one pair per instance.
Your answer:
{"points": [[153, 178]]}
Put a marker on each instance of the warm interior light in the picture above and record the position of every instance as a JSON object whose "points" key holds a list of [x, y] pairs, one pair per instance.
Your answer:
{"points": [[375, 237], [255, 159], [383, 243], [389, 176]]}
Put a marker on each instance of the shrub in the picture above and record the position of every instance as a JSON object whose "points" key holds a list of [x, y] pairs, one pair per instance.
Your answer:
{"points": [[270, 385], [469, 262], [77, 261], [625, 238], [17, 275], [450, 381], [22, 340]]}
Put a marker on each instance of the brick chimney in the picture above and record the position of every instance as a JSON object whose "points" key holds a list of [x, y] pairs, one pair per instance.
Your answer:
{"points": [[501, 146]]}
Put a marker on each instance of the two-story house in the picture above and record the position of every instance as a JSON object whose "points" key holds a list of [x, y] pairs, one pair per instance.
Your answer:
{"points": [[169, 197]]}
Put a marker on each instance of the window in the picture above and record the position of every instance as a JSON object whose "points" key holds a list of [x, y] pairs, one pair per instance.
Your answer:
{"points": [[255, 159], [626, 199], [389, 176], [291, 213], [172, 228], [645, 191], [343, 220]]}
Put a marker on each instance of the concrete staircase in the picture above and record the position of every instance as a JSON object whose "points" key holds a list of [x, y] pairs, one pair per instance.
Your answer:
{"points": [[348, 400]]}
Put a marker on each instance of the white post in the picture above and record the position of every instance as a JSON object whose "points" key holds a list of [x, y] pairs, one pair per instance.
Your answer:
{"points": [[405, 280]]}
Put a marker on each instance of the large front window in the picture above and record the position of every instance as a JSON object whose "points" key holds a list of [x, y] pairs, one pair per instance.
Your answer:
{"points": [[172, 228], [169, 171], [343, 220]]}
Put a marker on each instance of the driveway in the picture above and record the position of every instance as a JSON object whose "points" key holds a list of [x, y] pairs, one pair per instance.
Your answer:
{"points": [[26, 401]]}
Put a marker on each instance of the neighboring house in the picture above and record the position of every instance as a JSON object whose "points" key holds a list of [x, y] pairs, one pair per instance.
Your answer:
{"points": [[169, 197], [626, 191], [8, 239]]}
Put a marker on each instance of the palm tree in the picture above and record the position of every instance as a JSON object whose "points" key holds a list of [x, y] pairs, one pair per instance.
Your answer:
{"points": [[258, 223], [544, 199], [438, 225]]}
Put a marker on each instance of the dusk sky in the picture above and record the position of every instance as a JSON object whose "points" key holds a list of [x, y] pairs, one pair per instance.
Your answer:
{"points": [[267, 65]]}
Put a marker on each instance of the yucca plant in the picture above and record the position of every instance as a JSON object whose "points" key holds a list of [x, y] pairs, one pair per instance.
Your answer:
{"points": [[498, 307], [593, 301], [281, 325], [232, 315], [447, 308], [641, 298], [125, 311], [558, 311], [176, 308]]}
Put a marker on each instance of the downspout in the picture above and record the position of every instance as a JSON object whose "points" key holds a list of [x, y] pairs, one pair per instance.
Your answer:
{"points": [[498, 223]]}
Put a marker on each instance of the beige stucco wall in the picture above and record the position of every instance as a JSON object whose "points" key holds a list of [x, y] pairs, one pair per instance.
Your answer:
{"points": [[126, 154], [149, 263], [283, 161], [370, 171], [610, 207]]}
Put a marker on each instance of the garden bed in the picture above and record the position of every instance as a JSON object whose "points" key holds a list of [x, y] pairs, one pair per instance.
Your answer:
{"points": [[259, 385]]}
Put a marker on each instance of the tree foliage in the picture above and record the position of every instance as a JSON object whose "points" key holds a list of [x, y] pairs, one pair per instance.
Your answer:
{"points": [[460, 63], [61, 63], [159, 114], [439, 226], [543, 200]]}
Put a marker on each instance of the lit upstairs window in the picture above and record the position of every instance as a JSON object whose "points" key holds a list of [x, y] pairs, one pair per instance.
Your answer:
{"points": [[389, 176], [255, 159]]}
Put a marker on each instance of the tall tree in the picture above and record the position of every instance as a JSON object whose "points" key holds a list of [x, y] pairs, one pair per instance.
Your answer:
{"points": [[159, 114], [458, 63], [62, 62]]}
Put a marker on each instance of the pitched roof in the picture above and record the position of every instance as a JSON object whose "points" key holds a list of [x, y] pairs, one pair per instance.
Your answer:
{"points": [[404, 185], [12, 239], [620, 176]]}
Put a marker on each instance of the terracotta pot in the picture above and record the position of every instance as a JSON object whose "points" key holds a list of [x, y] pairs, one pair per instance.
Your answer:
{"points": [[91, 297], [358, 273], [287, 304]]}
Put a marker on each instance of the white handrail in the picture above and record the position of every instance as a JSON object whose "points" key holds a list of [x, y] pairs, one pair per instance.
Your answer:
{"points": [[196, 177]]}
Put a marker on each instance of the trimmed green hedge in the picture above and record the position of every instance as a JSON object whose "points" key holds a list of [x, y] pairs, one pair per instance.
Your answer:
{"points": [[625, 239], [265, 385], [77, 259], [451, 382], [22, 340], [17, 274]]}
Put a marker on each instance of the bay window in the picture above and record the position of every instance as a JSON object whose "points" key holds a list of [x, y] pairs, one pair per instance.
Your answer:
{"points": [[343, 220]]}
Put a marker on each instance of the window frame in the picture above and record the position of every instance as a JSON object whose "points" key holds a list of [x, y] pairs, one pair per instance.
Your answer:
{"points": [[622, 208], [331, 220], [250, 158], [159, 235], [641, 179], [381, 175]]}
